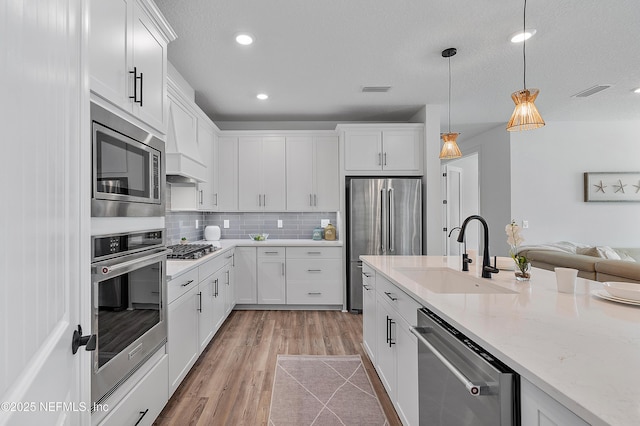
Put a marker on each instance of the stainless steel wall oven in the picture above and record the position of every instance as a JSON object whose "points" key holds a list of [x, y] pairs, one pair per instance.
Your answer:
{"points": [[128, 177], [128, 305]]}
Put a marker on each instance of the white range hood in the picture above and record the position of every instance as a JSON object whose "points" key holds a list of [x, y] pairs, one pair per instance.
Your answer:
{"points": [[183, 159]]}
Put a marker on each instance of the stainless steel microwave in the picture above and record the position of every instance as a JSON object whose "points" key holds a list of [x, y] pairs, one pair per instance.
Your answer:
{"points": [[128, 177]]}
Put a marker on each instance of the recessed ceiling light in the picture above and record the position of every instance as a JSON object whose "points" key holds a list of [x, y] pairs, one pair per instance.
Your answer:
{"points": [[637, 90], [262, 96], [244, 39], [521, 36]]}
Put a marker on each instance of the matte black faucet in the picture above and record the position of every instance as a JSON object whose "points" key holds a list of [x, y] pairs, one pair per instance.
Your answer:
{"points": [[465, 257], [487, 269]]}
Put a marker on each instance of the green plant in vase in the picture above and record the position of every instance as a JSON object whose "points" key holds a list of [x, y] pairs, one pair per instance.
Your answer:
{"points": [[514, 239]]}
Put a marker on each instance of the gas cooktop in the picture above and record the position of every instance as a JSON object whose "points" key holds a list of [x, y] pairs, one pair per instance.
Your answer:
{"points": [[190, 251]]}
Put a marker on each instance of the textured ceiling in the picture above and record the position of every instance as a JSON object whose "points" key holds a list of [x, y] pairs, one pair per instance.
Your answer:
{"points": [[313, 57]]}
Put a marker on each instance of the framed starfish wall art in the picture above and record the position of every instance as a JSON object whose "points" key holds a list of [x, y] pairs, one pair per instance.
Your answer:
{"points": [[612, 186]]}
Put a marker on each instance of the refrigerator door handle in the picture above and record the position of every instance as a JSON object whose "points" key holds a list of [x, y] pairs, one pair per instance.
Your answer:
{"points": [[383, 242], [392, 221]]}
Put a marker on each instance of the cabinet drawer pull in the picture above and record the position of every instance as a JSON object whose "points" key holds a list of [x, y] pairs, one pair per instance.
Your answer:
{"points": [[314, 252], [271, 252], [366, 287], [186, 284], [142, 414], [391, 296], [366, 274], [314, 270], [314, 293]]}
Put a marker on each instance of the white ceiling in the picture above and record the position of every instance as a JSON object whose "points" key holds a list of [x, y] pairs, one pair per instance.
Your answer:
{"points": [[313, 56]]}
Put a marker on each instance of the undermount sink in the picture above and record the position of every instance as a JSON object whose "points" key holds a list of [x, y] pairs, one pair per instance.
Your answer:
{"points": [[445, 280]]}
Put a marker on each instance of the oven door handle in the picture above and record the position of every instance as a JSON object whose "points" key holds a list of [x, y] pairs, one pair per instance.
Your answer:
{"points": [[475, 389], [105, 270]]}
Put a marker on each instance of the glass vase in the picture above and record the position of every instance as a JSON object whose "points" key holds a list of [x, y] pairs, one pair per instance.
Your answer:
{"points": [[523, 271]]}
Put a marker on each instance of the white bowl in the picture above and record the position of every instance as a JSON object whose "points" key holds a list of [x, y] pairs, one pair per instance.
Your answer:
{"points": [[630, 291]]}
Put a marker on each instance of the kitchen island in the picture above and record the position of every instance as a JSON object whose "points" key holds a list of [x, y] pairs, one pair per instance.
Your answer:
{"points": [[580, 350]]}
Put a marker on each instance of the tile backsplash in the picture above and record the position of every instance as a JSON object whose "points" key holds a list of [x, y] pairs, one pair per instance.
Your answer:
{"points": [[295, 225]]}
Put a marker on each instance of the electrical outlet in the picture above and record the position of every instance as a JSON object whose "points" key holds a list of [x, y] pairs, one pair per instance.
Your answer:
{"points": [[226, 224], [279, 223], [525, 224], [197, 223], [324, 222]]}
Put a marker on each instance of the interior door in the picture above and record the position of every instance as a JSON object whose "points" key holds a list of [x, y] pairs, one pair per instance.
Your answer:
{"points": [[46, 215], [453, 207]]}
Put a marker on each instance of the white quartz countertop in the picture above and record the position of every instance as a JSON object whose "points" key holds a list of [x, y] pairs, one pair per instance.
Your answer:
{"points": [[179, 267], [581, 350]]}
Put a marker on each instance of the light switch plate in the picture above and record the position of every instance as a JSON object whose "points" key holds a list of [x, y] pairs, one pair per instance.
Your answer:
{"points": [[197, 223], [324, 222], [279, 223], [525, 224], [225, 224]]}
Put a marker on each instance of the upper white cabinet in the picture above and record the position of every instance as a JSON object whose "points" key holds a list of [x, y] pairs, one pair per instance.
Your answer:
{"points": [[261, 173], [385, 149], [226, 169], [312, 173], [206, 191], [128, 57]]}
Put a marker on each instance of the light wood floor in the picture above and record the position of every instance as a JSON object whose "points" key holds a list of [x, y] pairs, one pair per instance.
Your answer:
{"points": [[232, 380]]}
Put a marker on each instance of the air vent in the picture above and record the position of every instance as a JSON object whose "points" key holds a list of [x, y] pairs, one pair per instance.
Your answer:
{"points": [[375, 89], [591, 91]]}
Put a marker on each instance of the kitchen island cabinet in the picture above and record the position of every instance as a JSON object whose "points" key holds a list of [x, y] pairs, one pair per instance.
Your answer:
{"points": [[555, 341]]}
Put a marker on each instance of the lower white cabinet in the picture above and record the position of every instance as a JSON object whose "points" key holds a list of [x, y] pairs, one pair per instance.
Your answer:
{"points": [[197, 309], [246, 278], [183, 336], [271, 276], [388, 313], [314, 275], [369, 312], [539, 409], [144, 402]]}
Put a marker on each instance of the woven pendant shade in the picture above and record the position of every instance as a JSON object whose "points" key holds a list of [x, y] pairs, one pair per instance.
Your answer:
{"points": [[525, 115], [450, 147]]}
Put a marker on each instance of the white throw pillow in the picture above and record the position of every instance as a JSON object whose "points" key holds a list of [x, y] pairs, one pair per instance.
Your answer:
{"points": [[604, 252]]}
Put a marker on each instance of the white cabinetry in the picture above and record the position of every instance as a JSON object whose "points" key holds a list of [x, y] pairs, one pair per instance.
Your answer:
{"points": [[128, 57], [226, 167], [144, 402], [183, 337], [246, 278], [271, 275], [396, 355], [312, 173], [392, 149], [206, 191], [539, 409], [314, 275], [261, 173], [369, 312]]}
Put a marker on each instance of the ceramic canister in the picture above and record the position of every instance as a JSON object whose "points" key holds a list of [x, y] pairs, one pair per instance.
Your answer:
{"points": [[212, 233]]}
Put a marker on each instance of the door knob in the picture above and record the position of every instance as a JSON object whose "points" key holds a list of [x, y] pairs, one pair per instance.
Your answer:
{"points": [[78, 340]]}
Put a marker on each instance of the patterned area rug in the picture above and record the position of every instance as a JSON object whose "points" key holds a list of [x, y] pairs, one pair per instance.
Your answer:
{"points": [[323, 390]]}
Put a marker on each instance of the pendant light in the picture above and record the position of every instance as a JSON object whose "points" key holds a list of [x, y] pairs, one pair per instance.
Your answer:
{"points": [[525, 114], [450, 147]]}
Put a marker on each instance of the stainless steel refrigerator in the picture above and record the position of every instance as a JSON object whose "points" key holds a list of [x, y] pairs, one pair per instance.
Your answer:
{"points": [[384, 218]]}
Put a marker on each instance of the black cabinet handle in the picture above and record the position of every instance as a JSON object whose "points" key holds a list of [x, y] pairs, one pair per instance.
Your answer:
{"points": [[391, 342], [135, 86], [141, 80], [200, 297], [391, 296], [186, 284], [142, 414]]}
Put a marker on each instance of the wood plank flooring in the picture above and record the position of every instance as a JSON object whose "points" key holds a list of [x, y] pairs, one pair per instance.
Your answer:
{"points": [[231, 382]]}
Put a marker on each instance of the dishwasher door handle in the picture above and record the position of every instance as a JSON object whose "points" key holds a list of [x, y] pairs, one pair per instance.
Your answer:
{"points": [[475, 389]]}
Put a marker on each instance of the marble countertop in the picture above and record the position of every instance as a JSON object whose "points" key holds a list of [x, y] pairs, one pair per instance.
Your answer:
{"points": [[581, 350], [178, 267]]}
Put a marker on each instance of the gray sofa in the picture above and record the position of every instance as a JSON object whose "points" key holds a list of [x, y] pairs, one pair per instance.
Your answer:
{"points": [[589, 266]]}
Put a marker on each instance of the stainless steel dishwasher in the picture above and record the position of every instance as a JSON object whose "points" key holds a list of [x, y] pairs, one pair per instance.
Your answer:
{"points": [[460, 383]]}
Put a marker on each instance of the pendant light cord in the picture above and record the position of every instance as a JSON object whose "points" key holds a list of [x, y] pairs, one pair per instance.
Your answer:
{"points": [[449, 120], [524, 45]]}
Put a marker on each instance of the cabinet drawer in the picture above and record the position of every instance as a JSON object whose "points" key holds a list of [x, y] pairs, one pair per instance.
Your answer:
{"points": [[368, 276], [314, 252], [314, 270], [314, 292], [181, 284], [211, 266], [401, 301], [145, 401], [271, 251]]}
